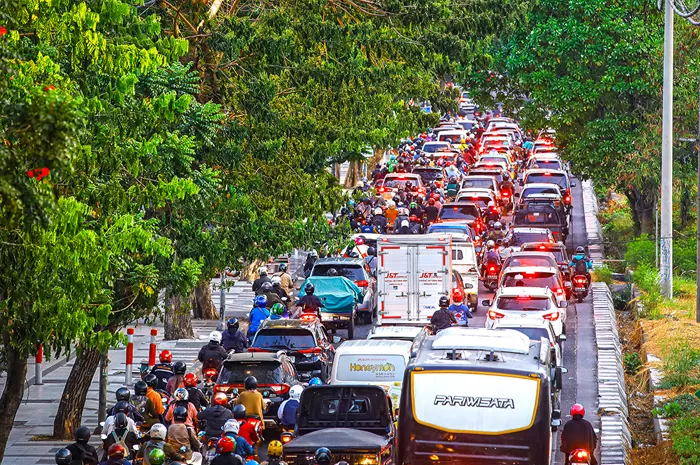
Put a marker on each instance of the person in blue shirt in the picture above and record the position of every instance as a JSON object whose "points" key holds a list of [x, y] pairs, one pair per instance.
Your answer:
{"points": [[581, 263], [242, 448], [459, 307], [258, 314]]}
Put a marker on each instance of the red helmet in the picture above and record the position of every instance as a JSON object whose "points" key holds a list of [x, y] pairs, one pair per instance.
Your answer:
{"points": [[226, 445], [413, 218], [457, 296], [166, 356], [116, 451], [220, 398], [191, 380], [431, 201], [449, 163], [577, 409]]}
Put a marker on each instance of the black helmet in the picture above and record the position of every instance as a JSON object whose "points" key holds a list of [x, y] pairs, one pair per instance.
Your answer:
{"points": [[120, 421], [352, 254], [239, 412], [444, 301], [232, 323], [63, 456], [323, 456], [140, 388], [180, 413], [151, 380], [82, 434], [332, 272], [179, 368], [580, 249], [251, 383], [309, 289], [266, 287], [372, 251], [283, 267], [121, 406], [123, 394]]}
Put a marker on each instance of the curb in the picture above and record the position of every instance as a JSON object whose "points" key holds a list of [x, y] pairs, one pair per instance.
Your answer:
{"points": [[594, 233]]}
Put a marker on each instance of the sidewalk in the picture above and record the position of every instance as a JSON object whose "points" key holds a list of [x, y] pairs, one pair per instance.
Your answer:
{"points": [[38, 410]]}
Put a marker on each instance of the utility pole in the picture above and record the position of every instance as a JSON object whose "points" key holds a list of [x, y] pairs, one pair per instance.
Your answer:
{"points": [[666, 259], [222, 301]]}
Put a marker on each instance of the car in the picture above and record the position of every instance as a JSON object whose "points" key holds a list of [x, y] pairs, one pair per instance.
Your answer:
{"points": [[539, 188], [467, 124], [463, 212], [356, 270], [557, 249], [274, 371], [480, 182], [498, 174], [430, 147], [546, 161], [514, 303], [392, 182], [398, 332], [520, 235], [454, 136], [496, 157], [502, 164], [530, 258], [306, 342], [480, 197], [536, 328], [543, 215], [429, 174], [453, 228], [536, 276], [558, 177]]}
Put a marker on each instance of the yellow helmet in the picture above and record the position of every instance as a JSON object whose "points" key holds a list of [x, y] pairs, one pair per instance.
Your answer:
{"points": [[274, 449]]}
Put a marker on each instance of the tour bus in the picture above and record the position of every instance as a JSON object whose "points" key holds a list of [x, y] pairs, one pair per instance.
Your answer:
{"points": [[478, 396]]}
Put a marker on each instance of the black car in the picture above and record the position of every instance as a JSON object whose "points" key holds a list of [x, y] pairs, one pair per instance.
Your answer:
{"points": [[306, 343], [429, 174], [543, 215], [274, 371]]}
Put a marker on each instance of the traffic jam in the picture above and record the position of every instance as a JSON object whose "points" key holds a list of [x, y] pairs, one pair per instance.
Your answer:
{"points": [[375, 358]]}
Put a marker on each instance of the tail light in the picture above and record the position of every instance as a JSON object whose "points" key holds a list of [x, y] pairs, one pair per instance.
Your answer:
{"points": [[505, 194], [492, 268], [558, 291], [581, 455], [381, 189], [567, 199], [308, 317], [580, 280], [362, 283], [286, 438], [554, 316], [494, 315], [314, 351], [227, 388], [278, 389], [555, 233], [210, 373]]}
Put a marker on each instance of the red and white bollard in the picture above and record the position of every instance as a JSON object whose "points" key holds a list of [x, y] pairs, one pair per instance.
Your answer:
{"points": [[129, 355], [152, 348], [39, 361]]}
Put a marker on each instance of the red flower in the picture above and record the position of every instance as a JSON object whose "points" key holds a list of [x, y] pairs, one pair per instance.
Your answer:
{"points": [[30, 173], [45, 171], [49, 87], [3, 30]]}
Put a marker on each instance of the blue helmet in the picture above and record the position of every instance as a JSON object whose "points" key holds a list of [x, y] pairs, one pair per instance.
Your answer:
{"points": [[260, 301], [315, 381], [252, 462]]}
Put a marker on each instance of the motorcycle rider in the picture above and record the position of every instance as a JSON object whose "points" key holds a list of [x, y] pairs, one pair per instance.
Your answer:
{"points": [[183, 438], [268, 291], [492, 213], [581, 264], [262, 278], [286, 279], [578, 433], [249, 430], [213, 354], [226, 446], [443, 318], [157, 435], [274, 454], [371, 259], [278, 312], [497, 232], [431, 212], [163, 370], [216, 415], [491, 257], [506, 249], [258, 314], [233, 338], [309, 303], [120, 435], [252, 399], [178, 379], [64, 457], [310, 260], [153, 395], [194, 394], [287, 412], [323, 456], [279, 290], [379, 220], [124, 396], [181, 400], [240, 445], [145, 406], [116, 455], [459, 307], [121, 407], [405, 228], [82, 452]]}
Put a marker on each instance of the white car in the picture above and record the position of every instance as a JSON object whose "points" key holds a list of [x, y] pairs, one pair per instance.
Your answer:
{"points": [[548, 277], [395, 181], [515, 303], [536, 328]]}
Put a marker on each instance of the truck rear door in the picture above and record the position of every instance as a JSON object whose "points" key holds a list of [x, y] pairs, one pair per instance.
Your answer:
{"points": [[395, 262], [433, 270]]}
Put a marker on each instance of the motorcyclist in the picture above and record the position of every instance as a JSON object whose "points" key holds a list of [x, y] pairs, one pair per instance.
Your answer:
{"points": [[120, 435], [145, 406], [391, 213], [491, 257], [258, 314], [415, 209], [124, 395], [376, 172], [323, 456], [216, 415], [497, 232], [459, 307], [157, 436], [405, 228], [310, 260], [241, 447], [443, 318], [116, 455], [181, 401], [267, 290], [82, 452], [249, 430], [506, 249], [578, 433], [371, 259], [492, 213], [431, 212], [278, 312], [121, 407], [416, 225], [279, 290], [233, 338], [286, 281], [379, 220], [178, 379], [274, 454], [64, 457], [287, 412], [163, 370], [213, 354], [252, 399], [225, 447], [183, 438], [194, 394], [581, 264], [262, 278], [309, 303], [153, 395]]}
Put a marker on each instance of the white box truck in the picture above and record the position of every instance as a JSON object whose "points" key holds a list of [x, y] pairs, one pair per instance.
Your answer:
{"points": [[413, 273]]}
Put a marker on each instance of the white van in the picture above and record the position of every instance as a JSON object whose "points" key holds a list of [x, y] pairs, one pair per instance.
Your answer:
{"points": [[464, 261], [377, 362]]}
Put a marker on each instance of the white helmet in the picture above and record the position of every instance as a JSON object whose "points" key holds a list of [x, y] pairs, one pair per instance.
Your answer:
{"points": [[262, 271], [215, 336], [295, 392], [391, 204], [158, 431], [378, 211], [276, 280], [231, 426], [404, 211]]}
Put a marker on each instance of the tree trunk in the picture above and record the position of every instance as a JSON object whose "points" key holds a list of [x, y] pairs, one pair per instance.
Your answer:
{"points": [[12, 394], [70, 409], [178, 321], [642, 211], [354, 174], [202, 305], [250, 272]]}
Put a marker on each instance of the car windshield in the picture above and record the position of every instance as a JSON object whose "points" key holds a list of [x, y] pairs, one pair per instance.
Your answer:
{"points": [[527, 191], [523, 303], [488, 160], [352, 272], [521, 237], [528, 260], [497, 175], [448, 230], [482, 202], [400, 183], [552, 178], [536, 217], [467, 125], [462, 212], [477, 183], [534, 334], [530, 279], [428, 174], [548, 164], [557, 252], [451, 138], [284, 339], [237, 372], [434, 147]]}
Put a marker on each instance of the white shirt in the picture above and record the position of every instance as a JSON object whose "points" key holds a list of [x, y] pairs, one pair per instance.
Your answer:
{"points": [[109, 426]]}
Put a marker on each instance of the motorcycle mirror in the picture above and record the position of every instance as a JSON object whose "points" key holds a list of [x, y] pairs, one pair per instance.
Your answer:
{"points": [[564, 370], [136, 447], [337, 339], [562, 338], [103, 436], [573, 183]]}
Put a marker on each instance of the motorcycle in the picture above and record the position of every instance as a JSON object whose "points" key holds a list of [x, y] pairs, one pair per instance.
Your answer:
{"points": [[579, 457], [208, 444], [491, 276], [210, 376], [580, 287]]}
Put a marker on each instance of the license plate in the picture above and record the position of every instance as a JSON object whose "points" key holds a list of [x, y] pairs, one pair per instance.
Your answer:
{"points": [[524, 315], [579, 289], [491, 276]]}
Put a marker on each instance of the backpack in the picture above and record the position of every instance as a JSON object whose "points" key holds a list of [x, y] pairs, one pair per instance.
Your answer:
{"points": [[581, 266], [121, 440]]}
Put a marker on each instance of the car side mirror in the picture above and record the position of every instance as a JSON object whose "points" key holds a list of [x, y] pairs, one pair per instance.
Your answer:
{"points": [[486, 303], [562, 338], [573, 183], [556, 414], [564, 305], [337, 339]]}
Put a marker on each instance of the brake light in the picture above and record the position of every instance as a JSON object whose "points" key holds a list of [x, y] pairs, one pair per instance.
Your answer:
{"points": [[286, 437], [554, 316], [308, 317], [256, 349], [492, 268], [380, 189], [558, 291], [494, 315], [362, 283], [555, 232], [542, 247], [210, 372], [314, 351], [567, 199], [278, 389], [226, 389], [505, 194], [523, 297], [547, 174], [581, 454], [580, 280]]}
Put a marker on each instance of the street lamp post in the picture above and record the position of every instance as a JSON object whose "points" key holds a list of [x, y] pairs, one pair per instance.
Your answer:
{"points": [[666, 255]]}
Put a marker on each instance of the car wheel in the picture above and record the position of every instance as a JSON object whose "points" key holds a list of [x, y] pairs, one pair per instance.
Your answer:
{"points": [[579, 299], [351, 328]]}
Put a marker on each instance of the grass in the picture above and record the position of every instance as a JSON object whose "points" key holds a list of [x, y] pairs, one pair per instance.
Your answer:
{"points": [[603, 274]]}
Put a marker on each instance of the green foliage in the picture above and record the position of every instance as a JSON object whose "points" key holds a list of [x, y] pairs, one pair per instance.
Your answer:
{"points": [[618, 230], [681, 365], [632, 363], [646, 277], [603, 274], [641, 251], [685, 434], [667, 410]]}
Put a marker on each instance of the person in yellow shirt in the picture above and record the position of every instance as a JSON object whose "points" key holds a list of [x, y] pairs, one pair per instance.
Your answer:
{"points": [[252, 400]]}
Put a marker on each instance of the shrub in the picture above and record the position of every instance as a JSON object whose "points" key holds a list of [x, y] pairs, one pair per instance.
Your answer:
{"points": [[632, 362], [603, 274], [618, 229], [684, 255], [685, 434], [641, 251], [681, 364], [646, 278]]}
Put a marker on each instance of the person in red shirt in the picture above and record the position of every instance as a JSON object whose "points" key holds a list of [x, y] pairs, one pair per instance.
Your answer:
{"points": [[250, 430]]}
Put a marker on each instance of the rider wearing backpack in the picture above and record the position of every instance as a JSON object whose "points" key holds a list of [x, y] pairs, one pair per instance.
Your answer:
{"points": [[120, 435], [581, 263]]}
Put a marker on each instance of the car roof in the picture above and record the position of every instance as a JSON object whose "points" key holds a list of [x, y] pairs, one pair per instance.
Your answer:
{"points": [[339, 261], [478, 177], [531, 269], [557, 245], [453, 132], [525, 322], [524, 290], [374, 346], [428, 168], [477, 190], [255, 357], [394, 331], [289, 324], [523, 253], [543, 171], [439, 142], [541, 185], [524, 229], [401, 175]]}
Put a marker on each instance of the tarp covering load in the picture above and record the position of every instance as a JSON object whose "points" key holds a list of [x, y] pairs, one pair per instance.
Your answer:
{"points": [[338, 294]]}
